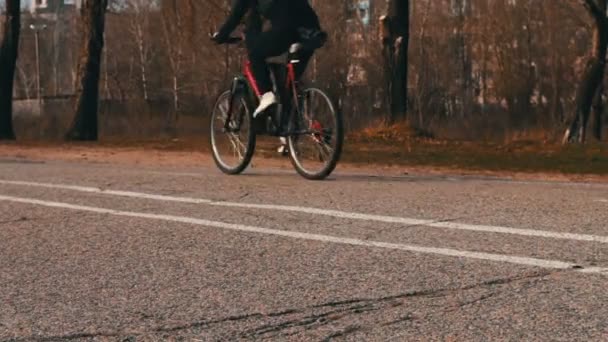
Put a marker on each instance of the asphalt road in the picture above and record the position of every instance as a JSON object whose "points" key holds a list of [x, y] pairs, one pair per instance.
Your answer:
{"points": [[112, 252]]}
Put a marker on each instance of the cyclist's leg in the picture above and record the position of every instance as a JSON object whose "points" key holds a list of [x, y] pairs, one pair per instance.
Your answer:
{"points": [[300, 68], [263, 45]]}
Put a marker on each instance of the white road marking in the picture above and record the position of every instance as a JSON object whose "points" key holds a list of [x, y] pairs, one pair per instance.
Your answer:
{"points": [[601, 200], [332, 213], [518, 260]]}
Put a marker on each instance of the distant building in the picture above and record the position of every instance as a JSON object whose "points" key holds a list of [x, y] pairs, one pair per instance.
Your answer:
{"points": [[51, 9]]}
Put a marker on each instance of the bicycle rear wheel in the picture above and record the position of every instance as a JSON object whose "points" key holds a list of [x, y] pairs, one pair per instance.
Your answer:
{"points": [[315, 145], [232, 141]]}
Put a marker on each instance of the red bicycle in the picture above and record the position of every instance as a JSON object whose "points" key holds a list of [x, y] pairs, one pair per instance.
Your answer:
{"points": [[306, 116]]}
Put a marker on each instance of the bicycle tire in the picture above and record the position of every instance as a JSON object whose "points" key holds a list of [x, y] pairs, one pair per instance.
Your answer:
{"points": [[247, 156], [332, 162]]}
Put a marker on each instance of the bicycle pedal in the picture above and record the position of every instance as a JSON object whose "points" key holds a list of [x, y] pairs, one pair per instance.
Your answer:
{"points": [[327, 135], [283, 150]]}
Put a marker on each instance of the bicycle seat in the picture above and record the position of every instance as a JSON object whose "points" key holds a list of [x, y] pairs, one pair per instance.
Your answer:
{"points": [[309, 40], [291, 54]]}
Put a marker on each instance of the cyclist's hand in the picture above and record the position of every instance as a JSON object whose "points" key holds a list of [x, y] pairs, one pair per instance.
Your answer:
{"points": [[219, 38]]}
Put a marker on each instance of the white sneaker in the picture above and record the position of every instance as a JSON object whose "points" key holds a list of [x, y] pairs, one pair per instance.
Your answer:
{"points": [[283, 150], [266, 100]]}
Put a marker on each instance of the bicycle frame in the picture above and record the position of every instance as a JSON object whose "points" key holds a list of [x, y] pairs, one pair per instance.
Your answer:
{"points": [[246, 83], [249, 75]]}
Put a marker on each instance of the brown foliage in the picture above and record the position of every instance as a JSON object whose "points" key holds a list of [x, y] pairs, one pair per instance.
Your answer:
{"points": [[478, 69]]}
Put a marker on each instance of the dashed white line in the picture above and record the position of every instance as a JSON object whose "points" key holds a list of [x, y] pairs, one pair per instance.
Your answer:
{"points": [[331, 213], [518, 260]]}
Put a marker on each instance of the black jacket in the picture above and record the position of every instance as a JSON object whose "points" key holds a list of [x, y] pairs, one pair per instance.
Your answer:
{"points": [[283, 15]]}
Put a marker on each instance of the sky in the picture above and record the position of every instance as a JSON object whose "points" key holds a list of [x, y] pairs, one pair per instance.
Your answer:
{"points": [[24, 3]]}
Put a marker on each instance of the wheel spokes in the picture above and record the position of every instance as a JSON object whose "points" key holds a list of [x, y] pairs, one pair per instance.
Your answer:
{"points": [[316, 143], [231, 135]]}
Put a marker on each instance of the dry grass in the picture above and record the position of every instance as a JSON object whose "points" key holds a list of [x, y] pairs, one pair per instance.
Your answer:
{"points": [[396, 145], [527, 152]]}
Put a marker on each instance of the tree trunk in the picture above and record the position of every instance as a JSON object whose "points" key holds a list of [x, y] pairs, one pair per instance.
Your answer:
{"points": [[556, 94], [594, 72], [9, 48], [106, 73], [396, 46], [84, 126], [142, 60], [598, 111], [174, 37]]}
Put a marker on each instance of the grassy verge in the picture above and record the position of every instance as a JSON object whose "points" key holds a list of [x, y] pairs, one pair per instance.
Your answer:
{"points": [[524, 157], [393, 146], [388, 148]]}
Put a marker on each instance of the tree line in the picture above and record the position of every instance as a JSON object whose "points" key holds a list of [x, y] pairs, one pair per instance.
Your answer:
{"points": [[472, 67]]}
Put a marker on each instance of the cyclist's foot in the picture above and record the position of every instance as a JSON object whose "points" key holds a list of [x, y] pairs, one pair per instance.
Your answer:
{"points": [[283, 150], [266, 100]]}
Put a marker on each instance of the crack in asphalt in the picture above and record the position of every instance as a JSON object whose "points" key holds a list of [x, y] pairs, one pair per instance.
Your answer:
{"points": [[407, 318], [127, 334], [442, 292], [202, 324], [382, 303], [343, 308], [477, 300], [243, 196], [307, 322], [464, 304]]}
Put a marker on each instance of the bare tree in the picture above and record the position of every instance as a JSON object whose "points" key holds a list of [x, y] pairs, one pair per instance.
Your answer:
{"points": [[593, 76], [173, 29], [9, 47], [84, 126], [139, 28]]}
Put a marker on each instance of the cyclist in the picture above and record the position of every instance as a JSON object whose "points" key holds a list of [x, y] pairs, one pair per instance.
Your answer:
{"points": [[289, 20]]}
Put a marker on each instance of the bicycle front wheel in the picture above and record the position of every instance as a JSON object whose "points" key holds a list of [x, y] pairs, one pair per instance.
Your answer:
{"points": [[315, 145], [232, 137]]}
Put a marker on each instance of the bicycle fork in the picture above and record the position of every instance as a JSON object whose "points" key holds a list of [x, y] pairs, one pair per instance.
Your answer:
{"points": [[236, 88]]}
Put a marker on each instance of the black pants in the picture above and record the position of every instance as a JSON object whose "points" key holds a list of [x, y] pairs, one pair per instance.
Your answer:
{"points": [[263, 45]]}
